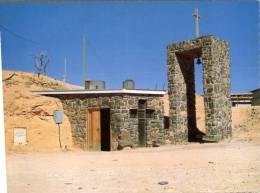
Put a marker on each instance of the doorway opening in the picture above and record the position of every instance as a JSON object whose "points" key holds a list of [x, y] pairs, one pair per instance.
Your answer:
{"points": [[142, 104], [105, 129], [199, 100], [198, 76], [188, 62], [99, 130]]}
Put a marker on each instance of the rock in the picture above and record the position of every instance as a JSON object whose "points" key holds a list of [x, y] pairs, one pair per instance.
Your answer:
{"points": [[149, 144], [125, 143], [125, 135], [163, 182], [167, 141], [127, 148], [156, 144]]}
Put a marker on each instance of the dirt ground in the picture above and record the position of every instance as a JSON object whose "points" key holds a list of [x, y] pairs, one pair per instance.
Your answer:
{"points": [[222, 167]]}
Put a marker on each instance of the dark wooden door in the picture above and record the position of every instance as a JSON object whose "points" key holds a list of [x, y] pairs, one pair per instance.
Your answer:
{"points": [[142, 132], [142, 104], [94, 136]]}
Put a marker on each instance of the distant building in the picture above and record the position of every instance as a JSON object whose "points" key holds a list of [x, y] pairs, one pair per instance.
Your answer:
{"points": [[256, 97], [241, 99]]}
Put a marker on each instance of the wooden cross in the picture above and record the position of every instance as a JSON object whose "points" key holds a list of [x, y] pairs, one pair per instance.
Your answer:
{"points": [[197, 17]]}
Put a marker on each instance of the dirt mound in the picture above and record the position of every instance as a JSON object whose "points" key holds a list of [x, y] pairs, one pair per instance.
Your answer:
{"points": [[24, 109], [246, 123]]}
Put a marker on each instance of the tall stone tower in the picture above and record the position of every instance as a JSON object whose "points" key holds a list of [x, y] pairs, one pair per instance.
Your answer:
{"points": [[216, 85]]}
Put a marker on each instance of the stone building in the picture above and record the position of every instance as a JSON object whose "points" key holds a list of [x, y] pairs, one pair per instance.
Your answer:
{"points": [[256, 97], [241, 99], [112, 119], [215, 57]]}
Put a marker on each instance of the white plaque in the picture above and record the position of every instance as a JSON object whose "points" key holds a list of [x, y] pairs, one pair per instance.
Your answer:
{"points": [[19, 136]]}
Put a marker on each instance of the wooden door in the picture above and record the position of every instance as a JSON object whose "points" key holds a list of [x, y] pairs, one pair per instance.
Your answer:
{"points": [[94, 135]]}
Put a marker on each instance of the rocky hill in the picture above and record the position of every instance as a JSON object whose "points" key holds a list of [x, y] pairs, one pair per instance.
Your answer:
{"points": [[246, 123]]}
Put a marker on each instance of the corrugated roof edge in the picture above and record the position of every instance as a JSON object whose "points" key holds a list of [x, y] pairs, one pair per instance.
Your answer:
{"points": [[242, 93], [121, 91]]}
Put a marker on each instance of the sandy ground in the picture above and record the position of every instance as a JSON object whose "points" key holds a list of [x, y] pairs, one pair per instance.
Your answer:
{"points": [[230, 167]]}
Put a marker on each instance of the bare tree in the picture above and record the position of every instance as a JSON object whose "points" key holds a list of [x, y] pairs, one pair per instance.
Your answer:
{"points": [[40, 62]]}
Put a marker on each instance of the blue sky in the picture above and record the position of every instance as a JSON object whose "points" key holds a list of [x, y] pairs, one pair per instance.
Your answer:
{"points": [[127, 40]]}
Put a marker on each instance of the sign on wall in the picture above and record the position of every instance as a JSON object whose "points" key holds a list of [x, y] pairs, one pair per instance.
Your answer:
{"points": [[58, 116], [20, 136]]}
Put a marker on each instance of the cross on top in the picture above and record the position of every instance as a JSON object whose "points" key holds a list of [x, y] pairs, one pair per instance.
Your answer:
{"points": [[197, 17]]}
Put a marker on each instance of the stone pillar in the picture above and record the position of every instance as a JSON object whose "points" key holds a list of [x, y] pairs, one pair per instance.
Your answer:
{"points": [[177, 99], [216, 64]]}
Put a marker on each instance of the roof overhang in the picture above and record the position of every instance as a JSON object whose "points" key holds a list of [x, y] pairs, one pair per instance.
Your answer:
{"points": [[101, 92]]}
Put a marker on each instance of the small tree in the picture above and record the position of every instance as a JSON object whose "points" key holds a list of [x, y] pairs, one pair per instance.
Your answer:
{"points": [[40, 62]]}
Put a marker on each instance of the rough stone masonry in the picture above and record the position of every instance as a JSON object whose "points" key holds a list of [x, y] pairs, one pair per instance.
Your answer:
{"points": [[123, 127], [216, 85]]}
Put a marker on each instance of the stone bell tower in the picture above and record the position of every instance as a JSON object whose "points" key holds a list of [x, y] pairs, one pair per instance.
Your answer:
{"points": [[215, 57]]}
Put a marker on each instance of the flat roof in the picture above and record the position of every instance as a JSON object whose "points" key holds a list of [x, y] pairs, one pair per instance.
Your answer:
{"points": [[97, 92], [245, 93]]}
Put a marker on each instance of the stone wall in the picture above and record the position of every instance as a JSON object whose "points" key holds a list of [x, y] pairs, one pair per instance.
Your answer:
{"points": [[216, 82], [123, 127]]}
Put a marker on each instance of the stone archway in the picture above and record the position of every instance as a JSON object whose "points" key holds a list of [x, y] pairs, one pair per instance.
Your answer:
{"points": [[216, 82]]}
